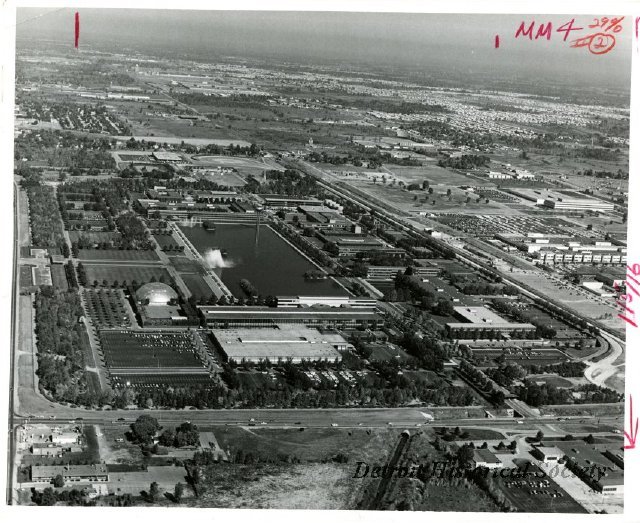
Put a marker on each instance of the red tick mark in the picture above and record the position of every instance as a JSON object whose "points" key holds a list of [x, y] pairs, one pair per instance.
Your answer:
{"points": [[497, 44], [633, 430], [77, 31]]}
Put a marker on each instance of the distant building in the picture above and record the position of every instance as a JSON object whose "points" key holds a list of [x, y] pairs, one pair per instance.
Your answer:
{"points": [[293, 344], [163, 156], [70, 473], [578, 204], [548, 454], [389, 272], [327, 301], [486, 458], [288, 202], [314, 316], [482, 319]]}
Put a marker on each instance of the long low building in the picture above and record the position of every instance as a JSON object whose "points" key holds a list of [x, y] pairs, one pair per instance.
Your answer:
{"points": [[293, 344], [328, 301], [481, 319], [321, 317], [72, 473], [389, 272]]}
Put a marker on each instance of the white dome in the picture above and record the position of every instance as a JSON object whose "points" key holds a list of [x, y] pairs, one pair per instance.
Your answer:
{"points": [[156, 293]]}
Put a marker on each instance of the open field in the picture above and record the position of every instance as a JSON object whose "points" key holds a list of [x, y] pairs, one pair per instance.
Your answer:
{"points": [[582, 303], [422, 201]]}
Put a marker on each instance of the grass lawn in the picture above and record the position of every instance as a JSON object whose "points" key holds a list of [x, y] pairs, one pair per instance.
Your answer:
{"points": [[59, 277], [93, 382], [26, 277], [122, 273], [551, 379], [116, 254], [184, 264], [196, 285]]}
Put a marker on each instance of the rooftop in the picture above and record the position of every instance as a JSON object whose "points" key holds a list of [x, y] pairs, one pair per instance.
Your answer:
{"points": [[479, 315]]}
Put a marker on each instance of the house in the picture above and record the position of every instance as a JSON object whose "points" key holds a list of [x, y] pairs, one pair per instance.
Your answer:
{"points": [[486, 458]]}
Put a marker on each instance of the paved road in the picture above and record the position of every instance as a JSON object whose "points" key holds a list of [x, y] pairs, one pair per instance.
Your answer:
{"points": [[599, 371]]}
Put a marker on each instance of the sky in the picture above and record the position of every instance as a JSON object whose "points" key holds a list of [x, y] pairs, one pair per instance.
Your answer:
{"points": [[460, 43]]}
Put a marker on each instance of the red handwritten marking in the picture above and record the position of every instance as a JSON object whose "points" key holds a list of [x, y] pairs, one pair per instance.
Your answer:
{"points": [[597, 43], [637, 25], [635, 269], [631, 322], [567, 28], [497, 42], [77, 30], [634, 431]]}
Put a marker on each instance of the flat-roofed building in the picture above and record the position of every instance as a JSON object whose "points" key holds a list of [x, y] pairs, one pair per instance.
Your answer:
{"points": [[389, 272], [164, 156], [483, 319], [327, 301], [277, 201], [293, 344], [321, 317], [74, 473], [577, 204], [548, 454], [486, 458]]}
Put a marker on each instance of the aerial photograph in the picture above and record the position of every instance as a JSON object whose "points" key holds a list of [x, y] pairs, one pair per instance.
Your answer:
{"points": [[308, 260]]}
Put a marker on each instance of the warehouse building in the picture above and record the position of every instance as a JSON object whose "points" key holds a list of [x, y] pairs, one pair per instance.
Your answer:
{"points": [[481, 319], [293, 344], [69, 473], [319, 317]]}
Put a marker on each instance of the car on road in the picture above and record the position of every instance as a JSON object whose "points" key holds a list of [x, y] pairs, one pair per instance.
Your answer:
{"points": [[418, 424], [251, 419], [519, 422], [334, 424], [389, 423], [120, 419], [616, 431], [79, 419], [263, 423]]}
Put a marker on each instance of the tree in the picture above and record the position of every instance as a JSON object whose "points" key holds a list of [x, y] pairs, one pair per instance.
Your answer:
{"points": [[153, 492], [167, 437], [590, 439], [178, 491], [144, 429], [465, 455], [539, 435], [58, 481]]}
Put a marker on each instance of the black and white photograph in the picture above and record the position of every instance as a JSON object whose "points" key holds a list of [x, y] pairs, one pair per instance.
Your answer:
{"points": [[320, 260]]}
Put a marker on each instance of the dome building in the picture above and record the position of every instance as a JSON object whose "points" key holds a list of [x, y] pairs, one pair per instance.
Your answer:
{"points": [[156, 293]]}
